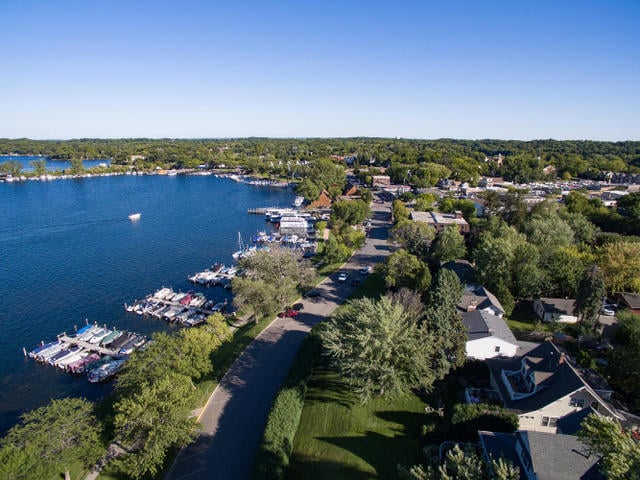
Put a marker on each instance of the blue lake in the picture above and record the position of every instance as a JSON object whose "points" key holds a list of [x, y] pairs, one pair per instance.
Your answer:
{"points": [[68, 253]]}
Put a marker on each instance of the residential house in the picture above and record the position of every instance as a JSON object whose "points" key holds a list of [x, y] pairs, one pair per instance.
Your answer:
{"points": [[323, 201], [381, 180], [561, 310], [628, 300], [488, 336], [440, 221], [542, 387], [477, 297], [542, 456]]}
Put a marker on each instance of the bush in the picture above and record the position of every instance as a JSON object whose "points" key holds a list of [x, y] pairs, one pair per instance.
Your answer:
{"points": [[282, 423], [468, 418]]}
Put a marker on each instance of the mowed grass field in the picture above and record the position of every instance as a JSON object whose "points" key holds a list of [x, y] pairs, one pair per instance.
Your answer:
{"points": [[341, 438]]}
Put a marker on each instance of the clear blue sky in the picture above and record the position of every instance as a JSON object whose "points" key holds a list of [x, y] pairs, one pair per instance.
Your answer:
{"points": [[516, 69]]}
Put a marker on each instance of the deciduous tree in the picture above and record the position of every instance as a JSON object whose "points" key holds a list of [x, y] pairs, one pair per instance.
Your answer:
{"points": [[154, 420], [620, 452], [48, 440]]}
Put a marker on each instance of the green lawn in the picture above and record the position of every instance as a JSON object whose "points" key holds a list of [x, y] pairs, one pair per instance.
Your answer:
{"points": [[340, 438], [524, 319]]}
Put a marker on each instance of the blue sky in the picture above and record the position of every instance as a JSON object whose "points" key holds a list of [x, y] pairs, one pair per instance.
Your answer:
{"points": [[425, 69]]}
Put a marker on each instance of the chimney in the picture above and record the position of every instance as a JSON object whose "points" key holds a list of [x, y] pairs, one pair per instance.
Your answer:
{"points": [[458, 214], [561, 359], [472, 305]]}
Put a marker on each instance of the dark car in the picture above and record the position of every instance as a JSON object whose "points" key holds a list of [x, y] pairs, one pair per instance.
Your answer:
{"points": [[297, 306], [313, 293]]}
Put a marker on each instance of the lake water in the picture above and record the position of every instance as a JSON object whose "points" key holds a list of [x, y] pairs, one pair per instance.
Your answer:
{"points": [[68, 253], [52, 165]]}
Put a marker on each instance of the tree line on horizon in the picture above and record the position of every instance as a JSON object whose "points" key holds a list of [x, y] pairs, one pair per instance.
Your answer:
{"points": [[419, 162]]}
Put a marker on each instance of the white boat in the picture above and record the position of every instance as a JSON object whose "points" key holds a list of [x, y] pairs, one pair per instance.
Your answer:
{"points": [[135, 216]]}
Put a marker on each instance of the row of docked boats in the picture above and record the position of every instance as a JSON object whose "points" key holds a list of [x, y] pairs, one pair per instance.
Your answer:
{"points": [[217, 275], [188, 309], [96, 351]]}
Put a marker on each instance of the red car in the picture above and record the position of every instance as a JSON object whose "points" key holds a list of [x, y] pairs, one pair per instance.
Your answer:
{"points": [[289, 312]]}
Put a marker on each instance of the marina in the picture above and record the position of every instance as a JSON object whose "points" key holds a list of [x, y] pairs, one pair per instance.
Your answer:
{"points": [[96, 351], [187, 309], [96, 259]]}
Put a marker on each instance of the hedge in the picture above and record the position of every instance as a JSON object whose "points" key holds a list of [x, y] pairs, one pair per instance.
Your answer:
{"points": [[275, 449]]}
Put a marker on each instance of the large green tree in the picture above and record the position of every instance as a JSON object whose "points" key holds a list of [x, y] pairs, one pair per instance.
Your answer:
{"points": [[448, 245], [620, 264], [50, 439], [280, 272], [620, 452], [415, 237], [378, 348], [154, 420], [402, 269], [442, 322], [589, 298]]}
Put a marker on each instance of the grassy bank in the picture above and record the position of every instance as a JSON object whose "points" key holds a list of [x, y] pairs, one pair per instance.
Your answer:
{"points": [[340, 438]]}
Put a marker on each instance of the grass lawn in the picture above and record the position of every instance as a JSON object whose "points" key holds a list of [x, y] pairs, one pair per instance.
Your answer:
{"points": [[524, 319], [340, 438], [372, 287]]}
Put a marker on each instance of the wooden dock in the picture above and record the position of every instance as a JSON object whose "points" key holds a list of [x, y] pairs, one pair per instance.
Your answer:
{"points": [[89, 346], [260, 210]]}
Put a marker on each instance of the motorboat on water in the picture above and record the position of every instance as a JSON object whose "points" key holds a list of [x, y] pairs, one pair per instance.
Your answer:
{"points": [[135, 216]]}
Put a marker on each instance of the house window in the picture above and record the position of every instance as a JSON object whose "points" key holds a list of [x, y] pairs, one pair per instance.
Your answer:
{"points": [[497, 349], [576, 402], [594, 405], [549, 421]]}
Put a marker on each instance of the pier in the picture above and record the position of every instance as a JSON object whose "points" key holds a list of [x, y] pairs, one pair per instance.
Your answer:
{"points": [[89, 346], [260, 210]]}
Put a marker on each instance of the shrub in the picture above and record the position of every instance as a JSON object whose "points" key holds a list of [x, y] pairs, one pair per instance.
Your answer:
{"points": [[282, 423], [468, 418]]}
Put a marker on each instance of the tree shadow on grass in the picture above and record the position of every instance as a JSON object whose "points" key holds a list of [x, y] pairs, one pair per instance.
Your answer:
{"points": [[311, 469], [326, 387], [383, 453], [408, 424]]}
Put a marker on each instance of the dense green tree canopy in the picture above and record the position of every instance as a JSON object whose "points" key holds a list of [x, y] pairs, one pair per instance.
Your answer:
{"points": [[378, 348], [48, 440]]}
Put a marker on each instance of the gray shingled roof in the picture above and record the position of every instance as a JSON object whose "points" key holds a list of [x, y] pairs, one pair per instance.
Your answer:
{"points": [[557, 379], [562, 306], [552, 456], [480, 324], [481, 298]]}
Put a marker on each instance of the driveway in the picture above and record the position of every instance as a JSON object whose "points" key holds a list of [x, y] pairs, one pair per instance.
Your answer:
{"points": [[234, 418]]}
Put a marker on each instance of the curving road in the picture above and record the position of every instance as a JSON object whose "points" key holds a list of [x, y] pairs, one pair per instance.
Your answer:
{"points": [[233, 419]]}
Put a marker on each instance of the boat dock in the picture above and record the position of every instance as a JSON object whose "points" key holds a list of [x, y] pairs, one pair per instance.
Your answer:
{"points": [[260, 210], [89, 346]]}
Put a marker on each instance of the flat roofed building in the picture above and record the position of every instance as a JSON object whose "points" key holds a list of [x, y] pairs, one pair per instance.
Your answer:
{"points": [[441, 220]]}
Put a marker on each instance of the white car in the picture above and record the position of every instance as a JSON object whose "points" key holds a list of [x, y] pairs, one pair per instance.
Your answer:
{"points": [[365, 270], [608, 310], [343, 277]]}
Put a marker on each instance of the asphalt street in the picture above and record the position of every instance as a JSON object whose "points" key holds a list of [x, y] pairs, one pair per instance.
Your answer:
{"points": [[235, 415]]}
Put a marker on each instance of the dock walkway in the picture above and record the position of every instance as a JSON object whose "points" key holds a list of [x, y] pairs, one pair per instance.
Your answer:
{"points": [[89, 346]]}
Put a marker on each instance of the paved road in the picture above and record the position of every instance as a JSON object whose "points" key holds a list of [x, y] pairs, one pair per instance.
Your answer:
{"points": [[233, 420]]}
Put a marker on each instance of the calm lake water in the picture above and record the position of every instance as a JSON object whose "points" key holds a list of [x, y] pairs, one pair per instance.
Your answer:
{"points": [[52, 165], [68, 253]]}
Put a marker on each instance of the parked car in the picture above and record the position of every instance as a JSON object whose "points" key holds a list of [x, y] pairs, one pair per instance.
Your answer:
{"points": [[365, 270], [343, 277], [608, 309], [289, 312], [313, 293]]}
